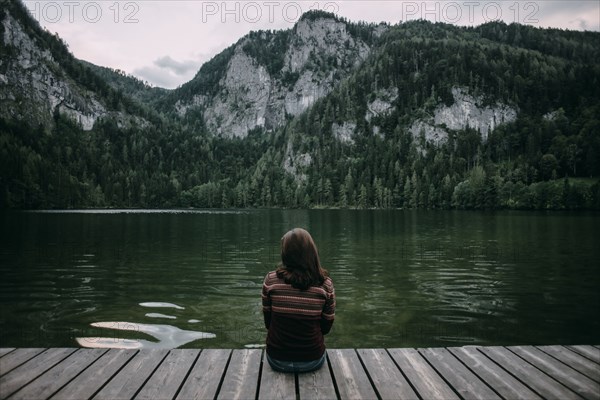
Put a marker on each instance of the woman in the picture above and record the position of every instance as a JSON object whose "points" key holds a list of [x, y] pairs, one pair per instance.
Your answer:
{"points": [[298, 302]]}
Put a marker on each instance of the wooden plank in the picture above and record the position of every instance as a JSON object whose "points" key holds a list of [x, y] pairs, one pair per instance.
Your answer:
{"points": [[574, 360], [93, 378], [130, 378], [501, 381], [5, 350], [16, 358], [167, 379], [275, 385], [520, 372], [206, 375], [59, 375], [351, 378], [467, 384], [587, 351], [424, 379], [241, 378], [528, 374], [387, 378], [566, 375], [317, 385], [27, 372]]}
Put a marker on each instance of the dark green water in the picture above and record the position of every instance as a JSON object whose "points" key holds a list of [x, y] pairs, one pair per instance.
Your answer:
{"points": [[403, 279]]}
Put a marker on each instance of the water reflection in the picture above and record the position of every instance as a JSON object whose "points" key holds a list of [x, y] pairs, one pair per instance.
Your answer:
{"points": [[402, 278], [169, 337], [161, 304], [135, 211], [159, 315]]}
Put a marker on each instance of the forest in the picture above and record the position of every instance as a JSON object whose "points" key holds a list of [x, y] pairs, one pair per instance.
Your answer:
{"points": [[548, 159]]}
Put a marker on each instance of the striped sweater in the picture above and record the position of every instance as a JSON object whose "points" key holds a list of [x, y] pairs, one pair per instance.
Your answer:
{"points": [[297, 319]]}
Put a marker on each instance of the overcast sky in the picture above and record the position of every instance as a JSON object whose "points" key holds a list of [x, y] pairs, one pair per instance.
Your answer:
{"points": [[164, 42]]}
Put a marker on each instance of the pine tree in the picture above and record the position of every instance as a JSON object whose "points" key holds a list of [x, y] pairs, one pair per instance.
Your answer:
{"points": [[363, 197]]}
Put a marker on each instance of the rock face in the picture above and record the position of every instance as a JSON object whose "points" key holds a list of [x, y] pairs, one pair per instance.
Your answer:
{"points": [[296, 164], [382, 105], [33, 85], [466, 111], [319, 54], [344, 132], [242, 105], [320, 41], [30, 86]]}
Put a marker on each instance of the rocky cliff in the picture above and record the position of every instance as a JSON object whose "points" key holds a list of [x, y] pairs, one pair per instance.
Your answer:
{"points": [[466, 111], [33, 84], [262, 81], [40, 78], [317, 54]]}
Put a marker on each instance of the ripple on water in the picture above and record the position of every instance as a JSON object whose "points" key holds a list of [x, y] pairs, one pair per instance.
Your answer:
{"points": [[456, 339], [255, 346], [453, 318], [160, 304], [159, 315]]}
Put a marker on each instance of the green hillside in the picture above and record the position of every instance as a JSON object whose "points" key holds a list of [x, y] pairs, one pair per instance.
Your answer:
{"points": [[547, 158]]}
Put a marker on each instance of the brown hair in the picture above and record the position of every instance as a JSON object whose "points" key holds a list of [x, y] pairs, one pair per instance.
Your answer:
{"points": [[300, 265]]}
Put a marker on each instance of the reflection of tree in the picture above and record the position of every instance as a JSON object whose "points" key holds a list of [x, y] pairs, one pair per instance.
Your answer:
{"points": [[573, 153]]}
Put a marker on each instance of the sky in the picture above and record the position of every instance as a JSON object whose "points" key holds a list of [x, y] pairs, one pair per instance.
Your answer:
{"points": [[164, 42]]}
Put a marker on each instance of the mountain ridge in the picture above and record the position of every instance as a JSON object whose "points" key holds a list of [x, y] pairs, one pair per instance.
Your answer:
{"points": [[272, 74], [48, 78], [415, 115]]}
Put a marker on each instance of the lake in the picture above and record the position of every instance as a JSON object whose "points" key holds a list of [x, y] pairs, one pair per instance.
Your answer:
{"points": [[192, 279]]}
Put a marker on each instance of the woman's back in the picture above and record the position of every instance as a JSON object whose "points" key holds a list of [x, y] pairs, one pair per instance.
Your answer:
{"points": [[298, 305], [298, 319]]}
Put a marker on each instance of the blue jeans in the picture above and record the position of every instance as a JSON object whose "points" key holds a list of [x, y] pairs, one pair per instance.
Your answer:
{"points": [[296, 366]]}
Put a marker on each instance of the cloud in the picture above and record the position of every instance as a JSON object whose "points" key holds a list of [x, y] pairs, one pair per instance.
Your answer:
{"points": [[578, 15], [169, 73], [177, 67], [157, 77]]}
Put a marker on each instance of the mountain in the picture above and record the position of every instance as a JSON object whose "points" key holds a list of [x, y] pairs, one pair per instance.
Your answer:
{"points": [[40, 77], [328, 113], [267, 77], [135, 88]]}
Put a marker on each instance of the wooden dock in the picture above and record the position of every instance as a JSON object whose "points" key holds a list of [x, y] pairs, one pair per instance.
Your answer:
{"points": [[519, 372]]}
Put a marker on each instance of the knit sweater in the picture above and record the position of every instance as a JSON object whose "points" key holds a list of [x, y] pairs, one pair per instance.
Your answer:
{"points": [[297, 319]]}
